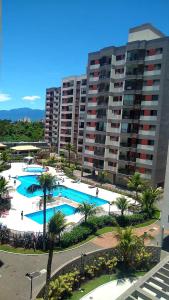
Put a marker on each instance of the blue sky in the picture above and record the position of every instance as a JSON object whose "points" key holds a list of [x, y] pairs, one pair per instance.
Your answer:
{"points": [[45, 40]]}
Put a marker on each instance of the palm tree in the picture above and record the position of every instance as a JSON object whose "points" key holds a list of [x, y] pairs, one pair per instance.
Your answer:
{"points": [[70, 148], [46, 182], [87, 210], [148, 199], [135, 183], [56, 225], [4, 188], [122, 204], [6, 156]]}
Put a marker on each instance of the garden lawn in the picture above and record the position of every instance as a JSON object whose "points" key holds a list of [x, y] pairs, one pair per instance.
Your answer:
{"points": [[94, 283]]}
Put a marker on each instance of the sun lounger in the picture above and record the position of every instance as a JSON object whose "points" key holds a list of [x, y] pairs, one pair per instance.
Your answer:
{"points": [[76, 181], [91, 186]]}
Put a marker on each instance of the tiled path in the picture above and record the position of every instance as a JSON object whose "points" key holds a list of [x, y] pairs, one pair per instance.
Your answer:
{"points": [[109, 239]]}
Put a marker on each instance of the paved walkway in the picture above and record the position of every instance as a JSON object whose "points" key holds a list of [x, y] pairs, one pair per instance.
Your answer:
{"points": [[15, 266]]}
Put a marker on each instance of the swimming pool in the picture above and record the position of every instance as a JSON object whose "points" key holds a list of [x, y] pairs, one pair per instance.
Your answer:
{"points": [[35, 169], [69, 193], [66, 209]]}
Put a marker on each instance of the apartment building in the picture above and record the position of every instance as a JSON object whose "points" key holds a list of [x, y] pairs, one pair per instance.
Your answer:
{"points": [[127, 113], [72, 111], [53, 97]]}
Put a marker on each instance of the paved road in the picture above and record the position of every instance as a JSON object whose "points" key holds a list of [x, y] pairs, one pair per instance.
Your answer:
{"points": [[13, 283]]}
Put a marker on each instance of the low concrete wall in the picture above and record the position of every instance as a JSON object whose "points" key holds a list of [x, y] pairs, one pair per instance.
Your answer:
{"points": [[88, 259]]}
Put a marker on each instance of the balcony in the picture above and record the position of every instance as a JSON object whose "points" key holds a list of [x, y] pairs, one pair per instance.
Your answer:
{"points": [[153, 57], [115, 117], [88, 164], [128, 145], [116, 89], [91, 117], [149, 103], [96, 66], [145, 176], [148, 118], [151, 88], [116, 103], [113, 169], [152, 73], [93, 79], [89, 128], [92, 92], [145, 147], [110, 142], [126, 171], [120, 62], [89, 152], [126, 158], [91, 141], [147, 132], [92, 104], [144, 161], [114, 129]]}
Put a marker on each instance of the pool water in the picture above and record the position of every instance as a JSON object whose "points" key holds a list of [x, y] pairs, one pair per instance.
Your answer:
{"points": [[66, 209], [63, 191], [35, 169]]}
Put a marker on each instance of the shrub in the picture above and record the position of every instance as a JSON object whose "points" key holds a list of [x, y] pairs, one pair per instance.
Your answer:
{"points": [[76, 235], [130, 220], [99, 222]]}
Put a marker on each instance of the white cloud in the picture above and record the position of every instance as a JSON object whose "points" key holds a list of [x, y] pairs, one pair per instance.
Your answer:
{"points": [[31, 98], [4, 97]]}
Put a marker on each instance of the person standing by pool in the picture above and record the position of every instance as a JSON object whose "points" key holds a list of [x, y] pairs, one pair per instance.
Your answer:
{"points": [[22, 215], [97, 192]]}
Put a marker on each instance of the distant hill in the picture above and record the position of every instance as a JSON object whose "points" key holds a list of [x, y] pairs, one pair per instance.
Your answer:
{"points": [[20, 113]]}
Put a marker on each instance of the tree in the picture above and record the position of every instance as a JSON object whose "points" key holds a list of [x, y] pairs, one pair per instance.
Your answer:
{"points": [[6, 156], [131, 249], [102, 176], [148, 199], [87, 210], [3, 187], [46, 182], [135, 183], [70, 148], [56, 225], [122, 204]]}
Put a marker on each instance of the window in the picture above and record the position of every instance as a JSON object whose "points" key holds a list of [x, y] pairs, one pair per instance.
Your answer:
{"points": [[117, 98], [119, 71], [118, 84], [114, 138], [120, 57], [155, 97], [111, 164], [128, 99], [124, 127]]}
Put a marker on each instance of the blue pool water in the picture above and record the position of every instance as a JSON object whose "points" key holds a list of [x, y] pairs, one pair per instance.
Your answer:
{"points": [[35, 169], [66, 209], [72, 194]]}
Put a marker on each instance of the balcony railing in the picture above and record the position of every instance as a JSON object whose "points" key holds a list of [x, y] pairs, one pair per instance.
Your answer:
{"points": [[126, 171]]}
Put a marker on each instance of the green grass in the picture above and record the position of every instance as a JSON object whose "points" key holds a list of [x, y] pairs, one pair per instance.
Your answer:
{"points": [[94, 283]]}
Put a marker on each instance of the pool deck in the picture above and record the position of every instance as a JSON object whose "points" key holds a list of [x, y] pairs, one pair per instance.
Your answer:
{"points": [[28, 205]]}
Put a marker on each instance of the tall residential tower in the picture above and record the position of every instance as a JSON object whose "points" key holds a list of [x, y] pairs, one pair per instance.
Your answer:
{"points": [[127, 114]]}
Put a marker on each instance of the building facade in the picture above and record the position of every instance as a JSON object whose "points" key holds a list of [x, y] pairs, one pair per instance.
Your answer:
{"points": [[53, 98], [72, 111], [126, 123]]}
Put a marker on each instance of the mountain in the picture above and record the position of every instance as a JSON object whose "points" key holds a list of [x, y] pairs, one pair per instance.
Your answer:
{"points": [[20, 113]]}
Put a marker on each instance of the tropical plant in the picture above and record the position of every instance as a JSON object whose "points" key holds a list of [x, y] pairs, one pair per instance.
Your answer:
{"points": [[102, 176], [4, 188], [56, 225], [47, 183], [70, 148], [5, 156], [122, 204], [148, 199], [130, 247], [136, 183], [87, 210]]}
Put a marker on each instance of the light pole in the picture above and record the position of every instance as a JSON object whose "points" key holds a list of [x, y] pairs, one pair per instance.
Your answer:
{"points": [[82, 262], [33, 275], [110, 204]]}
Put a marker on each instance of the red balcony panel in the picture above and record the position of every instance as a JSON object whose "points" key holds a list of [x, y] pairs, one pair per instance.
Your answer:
{"points": [[148, 97], [142, 170], [96, 61], [149, 82], [143, 156], [151, 51], [147, 112], [150, 67], [146, 127], [144, 142]]}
